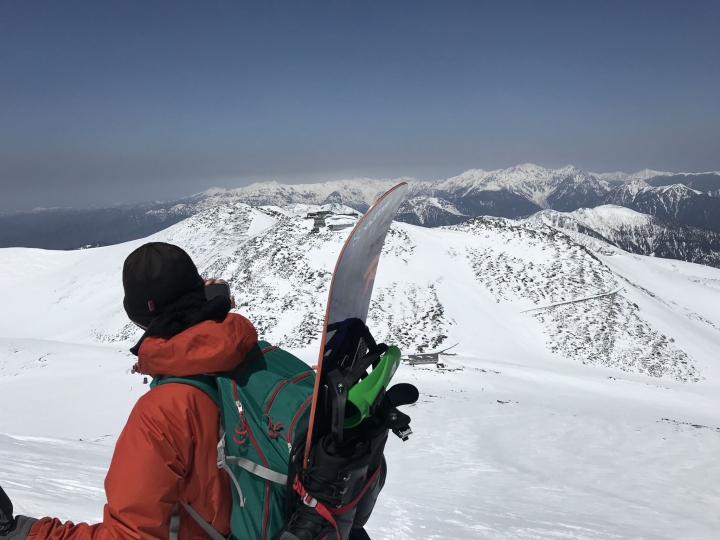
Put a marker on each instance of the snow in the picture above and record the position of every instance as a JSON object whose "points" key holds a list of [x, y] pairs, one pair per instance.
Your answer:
{"points": [[593, 420], [602, 219], [689, 174], [359, 191], [614, 211], [644, 175], [678, 190], [607, 228], [534, 182], [528, 180], [670, 195], [428, 209]]}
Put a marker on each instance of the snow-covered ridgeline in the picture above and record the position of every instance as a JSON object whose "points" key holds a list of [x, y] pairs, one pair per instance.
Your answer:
{"points": [[280, 272], [566, 422], [637, 233]]}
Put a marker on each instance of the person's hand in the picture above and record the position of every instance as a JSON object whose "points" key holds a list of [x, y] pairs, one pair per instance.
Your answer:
{"points": [[12, 528], [213, 280]]}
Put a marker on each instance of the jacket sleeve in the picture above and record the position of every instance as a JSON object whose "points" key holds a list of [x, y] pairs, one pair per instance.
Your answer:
{"points": [[150, 462]]}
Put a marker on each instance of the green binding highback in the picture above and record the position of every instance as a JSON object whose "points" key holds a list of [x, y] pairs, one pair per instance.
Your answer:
{"points": [[264, 405]]}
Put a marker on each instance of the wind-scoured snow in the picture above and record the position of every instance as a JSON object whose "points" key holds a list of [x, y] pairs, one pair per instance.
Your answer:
{"points": [[591, 420]]}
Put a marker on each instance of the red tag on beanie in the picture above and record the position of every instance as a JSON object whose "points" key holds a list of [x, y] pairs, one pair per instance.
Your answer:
{"points": [[151, 305]]}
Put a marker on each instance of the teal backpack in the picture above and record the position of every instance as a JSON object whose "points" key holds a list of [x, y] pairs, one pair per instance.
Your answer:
{"points": [[264, 408]]}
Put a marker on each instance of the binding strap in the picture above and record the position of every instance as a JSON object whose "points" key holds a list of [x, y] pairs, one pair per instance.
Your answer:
{"points": [[312, 502], [351, 505], [326, 512]]}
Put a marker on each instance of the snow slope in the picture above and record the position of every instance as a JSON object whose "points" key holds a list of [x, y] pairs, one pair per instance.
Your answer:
{"points": [[638, 233], [596, 419], [671, 202]]}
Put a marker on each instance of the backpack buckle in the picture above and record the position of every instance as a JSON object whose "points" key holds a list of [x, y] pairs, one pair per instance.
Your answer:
{"points": [[305, 497], [221, 460]]}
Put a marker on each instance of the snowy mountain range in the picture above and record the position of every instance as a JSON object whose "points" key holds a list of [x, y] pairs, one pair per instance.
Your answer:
{"points": [[581, 401], [676, 199]]}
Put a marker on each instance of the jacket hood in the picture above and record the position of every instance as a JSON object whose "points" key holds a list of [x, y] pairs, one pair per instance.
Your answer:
{"points": [[207, 347]]}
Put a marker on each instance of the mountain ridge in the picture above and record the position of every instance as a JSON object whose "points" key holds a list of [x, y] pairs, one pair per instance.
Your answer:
{"points": [[532, 413], [515, 192], [279, 272], [638, 233]]}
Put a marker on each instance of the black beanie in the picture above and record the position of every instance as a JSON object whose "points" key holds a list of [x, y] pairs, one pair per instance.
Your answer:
{"points": [[154, 276]]}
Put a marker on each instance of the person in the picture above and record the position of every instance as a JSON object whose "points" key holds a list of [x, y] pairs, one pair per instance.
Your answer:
{"points": [[166, 453], [164, 465]]}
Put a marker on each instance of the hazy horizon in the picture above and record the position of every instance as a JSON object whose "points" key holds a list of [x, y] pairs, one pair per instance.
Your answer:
{"points": [[332, 178], [125, 103]]}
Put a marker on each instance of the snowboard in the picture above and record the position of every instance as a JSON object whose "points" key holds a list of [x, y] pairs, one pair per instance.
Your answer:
{"points": [[338, 402]]}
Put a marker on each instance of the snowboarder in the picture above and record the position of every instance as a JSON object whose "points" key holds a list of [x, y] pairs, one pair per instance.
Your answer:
{"points": [[164, 467]]}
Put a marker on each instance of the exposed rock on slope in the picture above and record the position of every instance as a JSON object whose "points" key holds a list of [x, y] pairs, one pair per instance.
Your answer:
{"points": [[675, 202], [638, 233], [433, 285], [546, 267]]}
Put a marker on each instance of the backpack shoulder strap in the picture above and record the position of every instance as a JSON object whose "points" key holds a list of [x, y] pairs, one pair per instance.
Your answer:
{"points": [[206, 383], [211, 532]]}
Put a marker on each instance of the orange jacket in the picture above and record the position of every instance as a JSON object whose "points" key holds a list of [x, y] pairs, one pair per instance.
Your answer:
{"points": [[166, 453]]}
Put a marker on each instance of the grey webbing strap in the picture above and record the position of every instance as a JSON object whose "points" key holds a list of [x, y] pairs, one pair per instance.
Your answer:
{"points": [[258, 470], [174, 524], [212, 533], [237, 485], [222, 464]]}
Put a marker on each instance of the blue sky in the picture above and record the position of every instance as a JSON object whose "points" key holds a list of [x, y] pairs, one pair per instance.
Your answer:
{"points": [[105, 102]]}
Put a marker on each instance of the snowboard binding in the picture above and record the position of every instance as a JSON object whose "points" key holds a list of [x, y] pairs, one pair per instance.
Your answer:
{"points": [[353, 393], [337, 491]]}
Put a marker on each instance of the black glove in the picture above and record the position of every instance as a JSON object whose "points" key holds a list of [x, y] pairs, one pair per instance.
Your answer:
{"points": [[11, 528]]}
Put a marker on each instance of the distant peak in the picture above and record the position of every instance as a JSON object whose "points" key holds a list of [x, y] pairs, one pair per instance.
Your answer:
{"points": [[646, 174], [473, 172], [528, 167], [213, 191]]}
